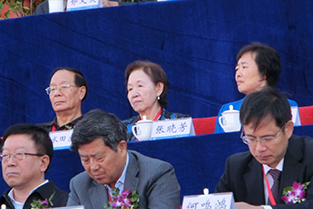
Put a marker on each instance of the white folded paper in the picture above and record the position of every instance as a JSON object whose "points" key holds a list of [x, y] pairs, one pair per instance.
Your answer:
{"points": [[56, 6], [209, 201]]}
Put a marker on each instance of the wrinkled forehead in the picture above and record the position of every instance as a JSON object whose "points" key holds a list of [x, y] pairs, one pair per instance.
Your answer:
{"points": [[139, 74]]}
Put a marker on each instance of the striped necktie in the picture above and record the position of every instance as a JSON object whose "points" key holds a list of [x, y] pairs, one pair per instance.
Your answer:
{"points": [[275, 188]]}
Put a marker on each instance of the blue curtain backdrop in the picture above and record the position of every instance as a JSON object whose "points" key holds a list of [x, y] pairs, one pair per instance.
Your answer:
{"points": [[195, 41]]}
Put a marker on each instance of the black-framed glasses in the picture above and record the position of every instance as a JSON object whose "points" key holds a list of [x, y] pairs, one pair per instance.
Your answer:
{"points": [[17, 156], [62, 87], [249, 140]]}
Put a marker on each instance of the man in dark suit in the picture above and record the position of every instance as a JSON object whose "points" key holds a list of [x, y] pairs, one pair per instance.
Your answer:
{"points": [[100, 140], [25, 157], [275, 160]]}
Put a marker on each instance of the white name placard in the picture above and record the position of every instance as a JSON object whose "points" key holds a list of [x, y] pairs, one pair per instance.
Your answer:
{"points": [[210, 201], [164, 129], [61, 139], [74, 5]]}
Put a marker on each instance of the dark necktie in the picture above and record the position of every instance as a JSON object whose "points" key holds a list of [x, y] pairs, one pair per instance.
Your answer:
{"points": [[276, 177]]}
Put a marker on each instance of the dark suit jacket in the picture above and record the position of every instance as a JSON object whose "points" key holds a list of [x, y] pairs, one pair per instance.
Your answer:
{"points": [[154, 180], [243, 174], [42, 193]]}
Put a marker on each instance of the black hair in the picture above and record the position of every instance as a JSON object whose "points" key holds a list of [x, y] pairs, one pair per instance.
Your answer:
{"points": [[98, 124], [266, 103], [155, 72], [40, 137], [267, 60], [79, 77]]}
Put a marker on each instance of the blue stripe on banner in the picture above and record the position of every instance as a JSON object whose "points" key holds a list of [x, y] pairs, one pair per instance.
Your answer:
{"points": [[61, 148], [170, 137]]}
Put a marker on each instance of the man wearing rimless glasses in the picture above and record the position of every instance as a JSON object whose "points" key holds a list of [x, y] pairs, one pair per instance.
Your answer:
{"points": [[67, 90], [25, 157], [275, 160]]}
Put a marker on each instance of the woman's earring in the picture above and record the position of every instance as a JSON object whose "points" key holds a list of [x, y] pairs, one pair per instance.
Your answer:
{"points": [[158, 97]]}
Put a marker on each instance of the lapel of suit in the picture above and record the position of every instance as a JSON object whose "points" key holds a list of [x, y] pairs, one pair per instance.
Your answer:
{"points": [[254, 183], [131, 179], [292, 168], [98, 195]]}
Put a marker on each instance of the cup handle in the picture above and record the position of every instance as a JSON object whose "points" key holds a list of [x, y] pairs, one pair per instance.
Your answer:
{"points": [[133, 130], [220, 121]]}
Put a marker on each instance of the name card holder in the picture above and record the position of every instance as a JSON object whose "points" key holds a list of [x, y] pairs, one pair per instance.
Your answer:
{"points": [[174, 128], [74, 5], [209, 201], [61, 139]]}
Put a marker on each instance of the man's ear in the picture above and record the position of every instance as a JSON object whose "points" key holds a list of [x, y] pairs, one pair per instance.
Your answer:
{"points": [[45, 160], [289, 128], [122, 146], [82, 92]]}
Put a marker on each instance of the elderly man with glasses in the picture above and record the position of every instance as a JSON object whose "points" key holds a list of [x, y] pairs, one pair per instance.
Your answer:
{"points": [[276, 158], [67, 90], [25, 157]]}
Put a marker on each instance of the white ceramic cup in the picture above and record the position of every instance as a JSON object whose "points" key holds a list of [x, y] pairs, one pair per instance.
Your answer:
{"points": [[229, 120], [142, 129], [56, 6]]}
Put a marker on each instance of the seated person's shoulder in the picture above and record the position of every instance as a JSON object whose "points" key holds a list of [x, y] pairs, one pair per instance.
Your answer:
{"points": [[238, 163], [240, 158], [152, 165], [46, 191], [131, 120], [302, 143], [60, 198], [81, 178], [42, 8], [173, 115]]}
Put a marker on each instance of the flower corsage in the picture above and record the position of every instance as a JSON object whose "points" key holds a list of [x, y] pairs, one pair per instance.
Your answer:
{"points": [[125, 200], [296, 193], [42, 204]]}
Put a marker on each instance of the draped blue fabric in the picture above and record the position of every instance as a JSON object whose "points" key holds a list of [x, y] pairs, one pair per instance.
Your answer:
{"points": [[196, 43]]}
